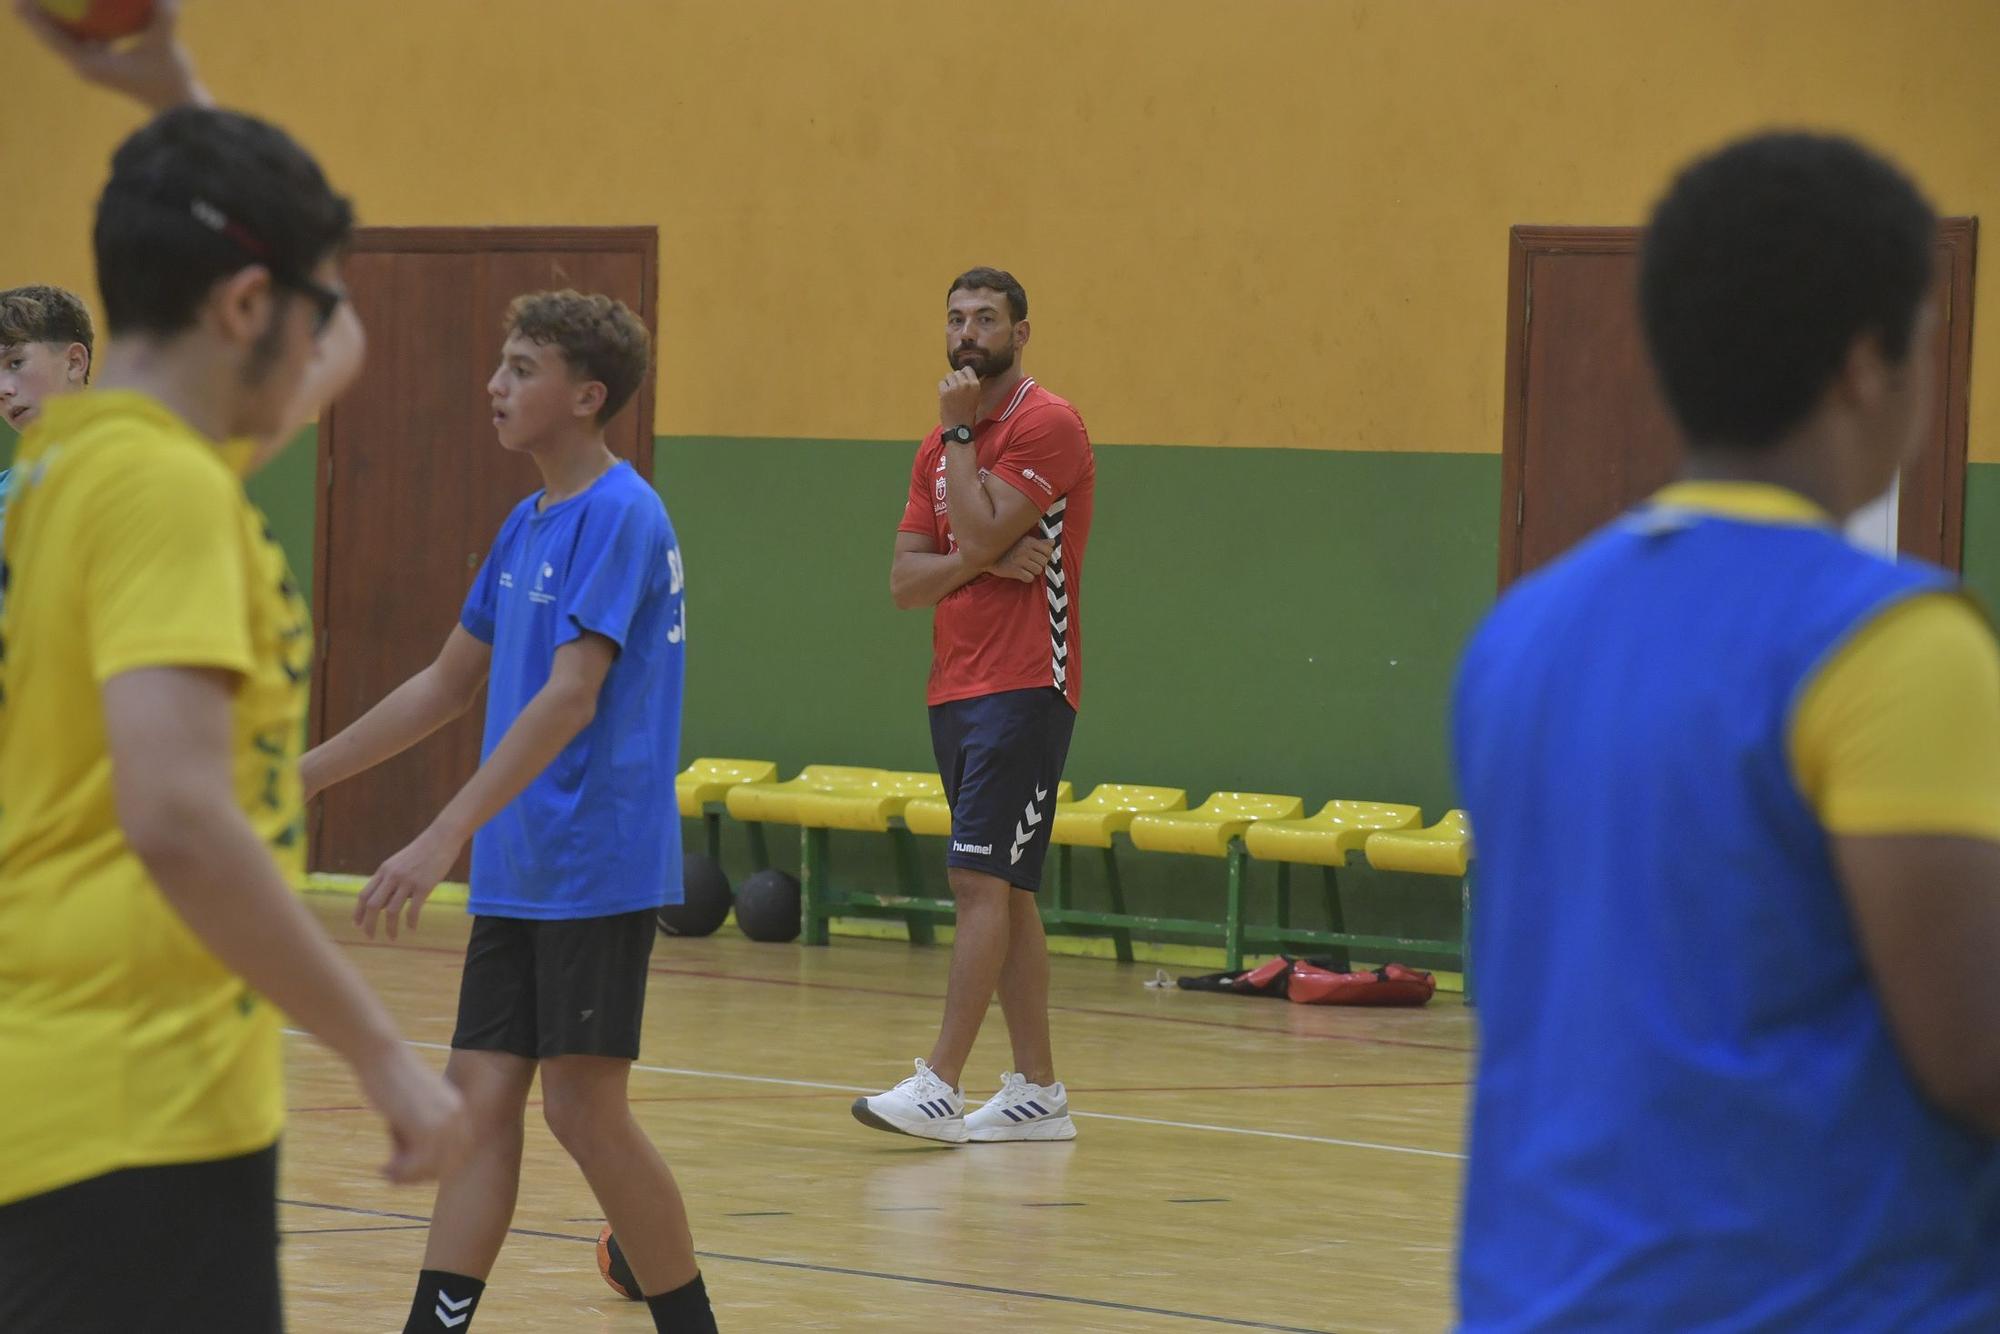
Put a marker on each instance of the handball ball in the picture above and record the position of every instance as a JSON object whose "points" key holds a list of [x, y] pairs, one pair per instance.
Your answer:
{"points": [[100, 20]]}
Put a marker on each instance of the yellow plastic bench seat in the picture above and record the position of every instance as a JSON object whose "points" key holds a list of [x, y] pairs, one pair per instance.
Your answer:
{"points": [[1110, 809], [1443, 849], [775, 802], [932, 815], [1340, 829], [866, 805], [1207, 830], [707, 781]]}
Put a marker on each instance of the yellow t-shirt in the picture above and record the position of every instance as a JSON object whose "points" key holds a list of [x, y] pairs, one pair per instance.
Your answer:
{"points": [[1899, 732], [129, 543]]}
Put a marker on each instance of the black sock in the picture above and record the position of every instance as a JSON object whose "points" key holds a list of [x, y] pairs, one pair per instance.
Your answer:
{"points": [[685, 1310], [444, 1303]]}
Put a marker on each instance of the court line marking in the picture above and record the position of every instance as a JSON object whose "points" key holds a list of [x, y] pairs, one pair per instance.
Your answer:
{"points": [[324, 1231], [1162, 1088], [1097, 1303], [1290, 1136]]}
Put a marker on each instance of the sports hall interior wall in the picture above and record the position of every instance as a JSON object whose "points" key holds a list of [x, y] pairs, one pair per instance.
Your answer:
{"points": [[1266, 246]]}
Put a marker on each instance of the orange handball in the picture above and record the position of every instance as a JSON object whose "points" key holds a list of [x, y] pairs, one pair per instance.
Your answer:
{"points": [[100, 20], [611, 1264]]}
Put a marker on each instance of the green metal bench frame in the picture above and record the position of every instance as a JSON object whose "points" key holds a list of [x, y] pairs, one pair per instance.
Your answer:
{"points": [[822, 900], [1337, 940]]}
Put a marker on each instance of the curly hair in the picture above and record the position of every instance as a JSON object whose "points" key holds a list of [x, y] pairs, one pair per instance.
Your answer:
{"points": [[599, 338], [1763, 264]]}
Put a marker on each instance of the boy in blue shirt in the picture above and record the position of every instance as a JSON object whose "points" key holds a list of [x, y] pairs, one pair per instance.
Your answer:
{"points": [[575, 625]]}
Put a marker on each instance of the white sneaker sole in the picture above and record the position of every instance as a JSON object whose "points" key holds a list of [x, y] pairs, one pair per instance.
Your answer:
{"points": [[1049, 1128], [945, 1130]]}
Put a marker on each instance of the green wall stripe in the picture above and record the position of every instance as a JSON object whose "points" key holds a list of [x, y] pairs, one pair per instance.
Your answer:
{"points": [[1261, 619], [1273, 619]]}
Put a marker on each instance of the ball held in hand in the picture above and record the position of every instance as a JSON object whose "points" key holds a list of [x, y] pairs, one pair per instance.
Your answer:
{"points": [[100, 20]]}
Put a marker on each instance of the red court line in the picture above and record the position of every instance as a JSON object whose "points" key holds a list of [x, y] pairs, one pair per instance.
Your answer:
{"points": [[1099, 1012]]}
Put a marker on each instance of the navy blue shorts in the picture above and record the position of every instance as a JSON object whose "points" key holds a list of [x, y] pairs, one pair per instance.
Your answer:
{"points": [[1001, 757], [562, 988]]}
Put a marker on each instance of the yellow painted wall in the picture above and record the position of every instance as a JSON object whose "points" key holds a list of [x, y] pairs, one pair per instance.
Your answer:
{"points": [[1242, 222]]}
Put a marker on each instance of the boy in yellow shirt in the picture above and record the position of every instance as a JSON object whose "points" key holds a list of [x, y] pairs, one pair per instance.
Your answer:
{"points": [[153, 660]]}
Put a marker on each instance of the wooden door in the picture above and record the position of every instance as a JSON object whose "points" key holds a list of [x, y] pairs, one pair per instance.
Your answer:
{"points": [[1587, 435], [414, 487]]}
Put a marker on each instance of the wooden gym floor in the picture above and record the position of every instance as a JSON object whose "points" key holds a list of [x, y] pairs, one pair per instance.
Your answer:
{"points": [[1239, 1164]]}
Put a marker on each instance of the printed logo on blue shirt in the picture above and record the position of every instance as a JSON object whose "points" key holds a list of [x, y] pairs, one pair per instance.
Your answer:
{"points": [[540, 593]]}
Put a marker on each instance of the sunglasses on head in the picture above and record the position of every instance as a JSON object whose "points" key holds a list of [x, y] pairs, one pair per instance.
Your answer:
{"points": [[326, 300]]}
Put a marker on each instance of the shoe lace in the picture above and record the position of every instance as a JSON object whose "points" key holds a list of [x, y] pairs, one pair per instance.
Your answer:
{"points": [[1014, 1089], [923, 1084]]}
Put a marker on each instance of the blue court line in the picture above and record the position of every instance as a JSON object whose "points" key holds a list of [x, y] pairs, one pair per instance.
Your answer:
{"points": [[1095, 1303]]}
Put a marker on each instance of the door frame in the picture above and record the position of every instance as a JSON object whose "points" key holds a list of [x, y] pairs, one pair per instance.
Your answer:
{"points": [[1957, 235], [1960, 238], [1523, 244], [641, 241]]}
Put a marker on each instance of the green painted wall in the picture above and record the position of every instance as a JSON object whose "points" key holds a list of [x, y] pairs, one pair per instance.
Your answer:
{"points": [[1264, 619], [1982, 531], [286, 489], [1277, 620], [1270, 620]]}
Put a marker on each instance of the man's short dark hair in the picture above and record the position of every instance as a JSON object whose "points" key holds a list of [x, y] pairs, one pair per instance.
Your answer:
{"points": [[1762, 266], [993, 280], [600, 338], [39, 314], [196, 195]]}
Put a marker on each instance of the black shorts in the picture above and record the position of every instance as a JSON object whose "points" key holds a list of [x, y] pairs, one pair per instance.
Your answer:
{"points": [[1001, 757], [542, 989], [190, 1248]]}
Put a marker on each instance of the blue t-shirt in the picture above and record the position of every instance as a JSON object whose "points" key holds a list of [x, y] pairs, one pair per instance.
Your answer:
{"points": [[598, 831], [1691, 1112]]}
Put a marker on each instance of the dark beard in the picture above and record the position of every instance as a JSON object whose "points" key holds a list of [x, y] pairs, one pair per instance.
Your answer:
{"points": [[989, 365]]}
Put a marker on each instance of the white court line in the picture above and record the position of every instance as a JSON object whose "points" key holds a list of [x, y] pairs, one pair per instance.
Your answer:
{"points": [[1099, 1116], [1275, 1134]]}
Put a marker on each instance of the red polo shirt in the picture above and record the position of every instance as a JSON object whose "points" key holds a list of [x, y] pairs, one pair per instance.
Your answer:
{"points": [[1000, 634]]}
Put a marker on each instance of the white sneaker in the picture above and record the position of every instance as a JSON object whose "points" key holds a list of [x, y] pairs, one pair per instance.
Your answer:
{"points": [[1022, 1111], [922, 1105]]}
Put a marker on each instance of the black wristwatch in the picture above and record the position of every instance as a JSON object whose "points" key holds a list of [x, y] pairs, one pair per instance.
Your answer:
{"points": [[958, 435]]}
